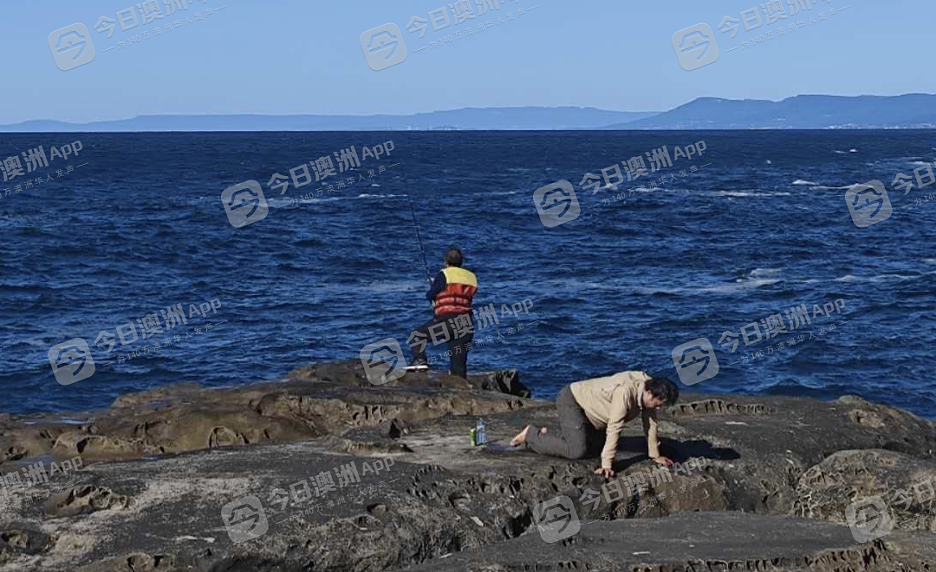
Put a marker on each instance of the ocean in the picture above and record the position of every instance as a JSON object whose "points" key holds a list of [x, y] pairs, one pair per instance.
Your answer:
{"points": [[754, 227]]}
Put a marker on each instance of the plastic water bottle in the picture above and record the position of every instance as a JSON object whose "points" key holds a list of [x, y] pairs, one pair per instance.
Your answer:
{"points": [[481, 433]]}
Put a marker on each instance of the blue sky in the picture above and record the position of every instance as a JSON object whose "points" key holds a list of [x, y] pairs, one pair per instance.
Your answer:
{"points": [[304, 56]]}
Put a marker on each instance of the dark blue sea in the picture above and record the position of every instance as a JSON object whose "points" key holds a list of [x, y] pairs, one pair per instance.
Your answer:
{"points": [[761, 226]]}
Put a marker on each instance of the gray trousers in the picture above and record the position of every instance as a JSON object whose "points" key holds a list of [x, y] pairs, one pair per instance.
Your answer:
{"points": [[576, 434]]}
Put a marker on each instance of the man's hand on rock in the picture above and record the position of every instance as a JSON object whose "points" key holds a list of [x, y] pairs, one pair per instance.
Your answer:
{"points": [[607, 473], [661, 460]]}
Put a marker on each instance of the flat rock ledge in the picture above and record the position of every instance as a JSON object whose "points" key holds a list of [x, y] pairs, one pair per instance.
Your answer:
{"points": [[324, 471]]}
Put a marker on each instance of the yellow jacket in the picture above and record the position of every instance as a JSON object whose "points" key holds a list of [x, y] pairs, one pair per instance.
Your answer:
{"points": [[610, 402]]}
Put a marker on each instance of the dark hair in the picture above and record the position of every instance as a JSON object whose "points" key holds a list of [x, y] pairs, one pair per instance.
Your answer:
{"points": [[664, 389], [453, 257]]}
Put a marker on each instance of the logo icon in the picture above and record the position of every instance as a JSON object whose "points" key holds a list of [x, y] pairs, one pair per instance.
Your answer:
{"points": [[869, 519], [244, 203], [556, 203], [244, 519], [383, 361], [695, 361], [556, 519], [383, 47], [71, 361], [71, 47], [695, 47], [868, 204]]}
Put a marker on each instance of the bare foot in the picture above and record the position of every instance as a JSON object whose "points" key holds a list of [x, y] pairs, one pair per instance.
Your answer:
{"points": [[521, 437]]}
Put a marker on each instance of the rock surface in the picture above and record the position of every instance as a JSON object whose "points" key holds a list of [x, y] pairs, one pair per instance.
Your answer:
{"points": [[777, 475]]}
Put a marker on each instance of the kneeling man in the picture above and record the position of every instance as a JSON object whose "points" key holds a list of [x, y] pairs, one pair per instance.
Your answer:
{"points": [[587, 407]]}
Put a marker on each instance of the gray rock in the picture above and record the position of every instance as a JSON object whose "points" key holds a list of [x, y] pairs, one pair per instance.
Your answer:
{"points": [[768, 489]]}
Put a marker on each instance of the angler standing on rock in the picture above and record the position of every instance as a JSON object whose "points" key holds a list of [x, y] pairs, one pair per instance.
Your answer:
{"points": [[451, 294], [587, 407]]}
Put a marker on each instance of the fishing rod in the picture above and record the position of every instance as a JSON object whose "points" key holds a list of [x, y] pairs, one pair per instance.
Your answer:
{"points": [[422, 248]]}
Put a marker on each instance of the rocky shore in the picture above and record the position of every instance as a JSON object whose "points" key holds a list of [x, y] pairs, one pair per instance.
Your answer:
{"points": [[324, 471]]}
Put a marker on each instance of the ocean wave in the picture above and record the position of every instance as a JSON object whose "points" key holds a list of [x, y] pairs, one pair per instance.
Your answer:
{"points": [[739, 286], [765, 271], [730, 288], [393, 286], [879, 278], [755, 279], [744, 194], [280, 203], [834, 188], [802, 182]]}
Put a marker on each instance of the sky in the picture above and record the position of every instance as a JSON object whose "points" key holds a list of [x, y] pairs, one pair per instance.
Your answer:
{"points": [[305, 56]]}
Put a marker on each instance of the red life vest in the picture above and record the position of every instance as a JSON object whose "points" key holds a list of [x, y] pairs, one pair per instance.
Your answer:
{"points": [[460, 288]]}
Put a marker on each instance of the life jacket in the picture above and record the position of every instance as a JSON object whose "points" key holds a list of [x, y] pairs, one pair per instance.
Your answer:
{"points": [[460, 288]]}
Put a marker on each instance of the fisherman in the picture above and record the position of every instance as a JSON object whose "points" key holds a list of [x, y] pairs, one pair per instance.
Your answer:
{"points": [[586, 407], [450, 293]]}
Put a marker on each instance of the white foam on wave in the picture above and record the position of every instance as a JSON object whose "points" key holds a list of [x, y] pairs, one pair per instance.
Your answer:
{"points": [[879, 278], [739, 286], [834, 188], [280, 203], [744, 194], [730, 288], [802, 182], [644, 291], [754, 279], [729, 194], [765, 271]]}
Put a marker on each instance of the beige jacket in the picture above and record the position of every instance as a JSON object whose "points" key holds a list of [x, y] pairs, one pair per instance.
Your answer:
{"points": [[610, 402]]}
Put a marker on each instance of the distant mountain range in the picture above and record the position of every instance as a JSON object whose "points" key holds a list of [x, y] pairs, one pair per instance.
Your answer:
{"points": [[492, 118], [911, 111]]}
